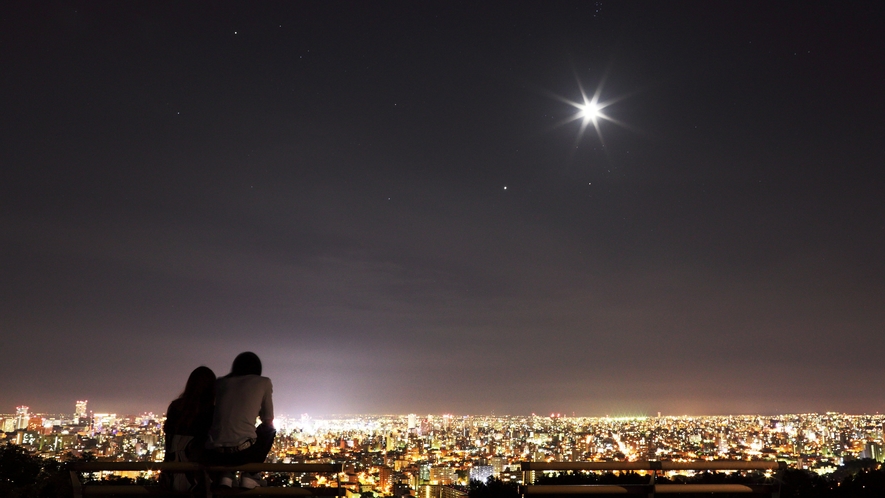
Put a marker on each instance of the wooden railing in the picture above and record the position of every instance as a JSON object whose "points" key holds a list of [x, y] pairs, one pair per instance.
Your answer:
{"points": [[94, 489], [651, 488], [528, 490]]}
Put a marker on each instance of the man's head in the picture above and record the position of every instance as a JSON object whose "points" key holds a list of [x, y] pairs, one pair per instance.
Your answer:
{"points": [[246, 364]]}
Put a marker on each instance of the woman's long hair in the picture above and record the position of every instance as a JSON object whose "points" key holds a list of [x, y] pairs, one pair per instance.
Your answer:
{"points": [[198, 398], [245, 364]]}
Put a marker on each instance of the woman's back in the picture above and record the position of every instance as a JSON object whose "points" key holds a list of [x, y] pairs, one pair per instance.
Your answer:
{"points": [[188, 420], [178, 421]]}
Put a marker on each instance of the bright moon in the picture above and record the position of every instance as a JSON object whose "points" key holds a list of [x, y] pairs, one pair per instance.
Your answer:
{"points": [[589, 110]]}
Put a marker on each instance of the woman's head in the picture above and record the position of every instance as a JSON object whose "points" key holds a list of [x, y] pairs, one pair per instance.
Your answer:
{"points": [[246, 364], [200, 384], [194, 405]]}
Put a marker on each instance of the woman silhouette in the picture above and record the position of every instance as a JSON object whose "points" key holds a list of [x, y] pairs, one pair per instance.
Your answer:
{"points": [[188, 420]]}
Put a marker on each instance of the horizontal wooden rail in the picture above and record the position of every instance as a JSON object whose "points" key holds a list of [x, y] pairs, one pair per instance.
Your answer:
{"points": [[609, 466], [652, 488], [710, 488], [318, 468], [662, 466], [584, 489], [81, 490], [137, 490]]}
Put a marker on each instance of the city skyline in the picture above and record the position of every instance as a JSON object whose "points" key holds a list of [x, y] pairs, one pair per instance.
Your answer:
{"points": [[454, 445], [27, 410], [578, 207], [81, 411], [412, 455]]}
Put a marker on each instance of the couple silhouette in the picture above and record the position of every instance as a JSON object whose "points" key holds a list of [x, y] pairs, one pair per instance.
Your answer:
{"points": [[214, 422]]}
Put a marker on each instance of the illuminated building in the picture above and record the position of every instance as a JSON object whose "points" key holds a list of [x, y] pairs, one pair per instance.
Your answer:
{"points": [[102, 421], [384, 475], [497, 464], [873, 450], [481, 473], [21, 417], [439, 491], [443, 475], [80, 411], [447, 421], [8, 425], [400, 485], [35, 424], [450, 492]]}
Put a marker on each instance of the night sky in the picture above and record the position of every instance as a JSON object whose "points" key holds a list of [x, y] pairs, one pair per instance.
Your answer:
{"points": [[392, 205]]}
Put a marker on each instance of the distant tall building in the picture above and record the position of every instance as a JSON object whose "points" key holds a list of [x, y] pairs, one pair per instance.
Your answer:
{"points": [[481, 473], [390, 442], [102, 420], [428, 491], [35, 424], [401, 488], [443, 475], [413, 422], [439, 491], [384, 475], [451, 492], [447, 422], [424, 472], [21, 417], [80, 411], [873, 450], [498, 464]]}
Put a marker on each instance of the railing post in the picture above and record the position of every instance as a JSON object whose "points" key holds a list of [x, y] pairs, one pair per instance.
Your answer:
{"points": [[651, 485], [76, 484], [207, 483], [655, 467], [779, 476], [527, 474]]}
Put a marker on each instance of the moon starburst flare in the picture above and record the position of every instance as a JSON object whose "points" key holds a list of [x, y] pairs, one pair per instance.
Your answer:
{"points": [[590, 109]]}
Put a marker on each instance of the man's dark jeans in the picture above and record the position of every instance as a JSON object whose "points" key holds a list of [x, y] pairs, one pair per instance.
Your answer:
{"points": [[256, 453]]}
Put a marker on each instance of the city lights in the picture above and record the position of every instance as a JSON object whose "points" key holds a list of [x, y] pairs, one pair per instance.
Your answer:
{"points": [[410, 452]]}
